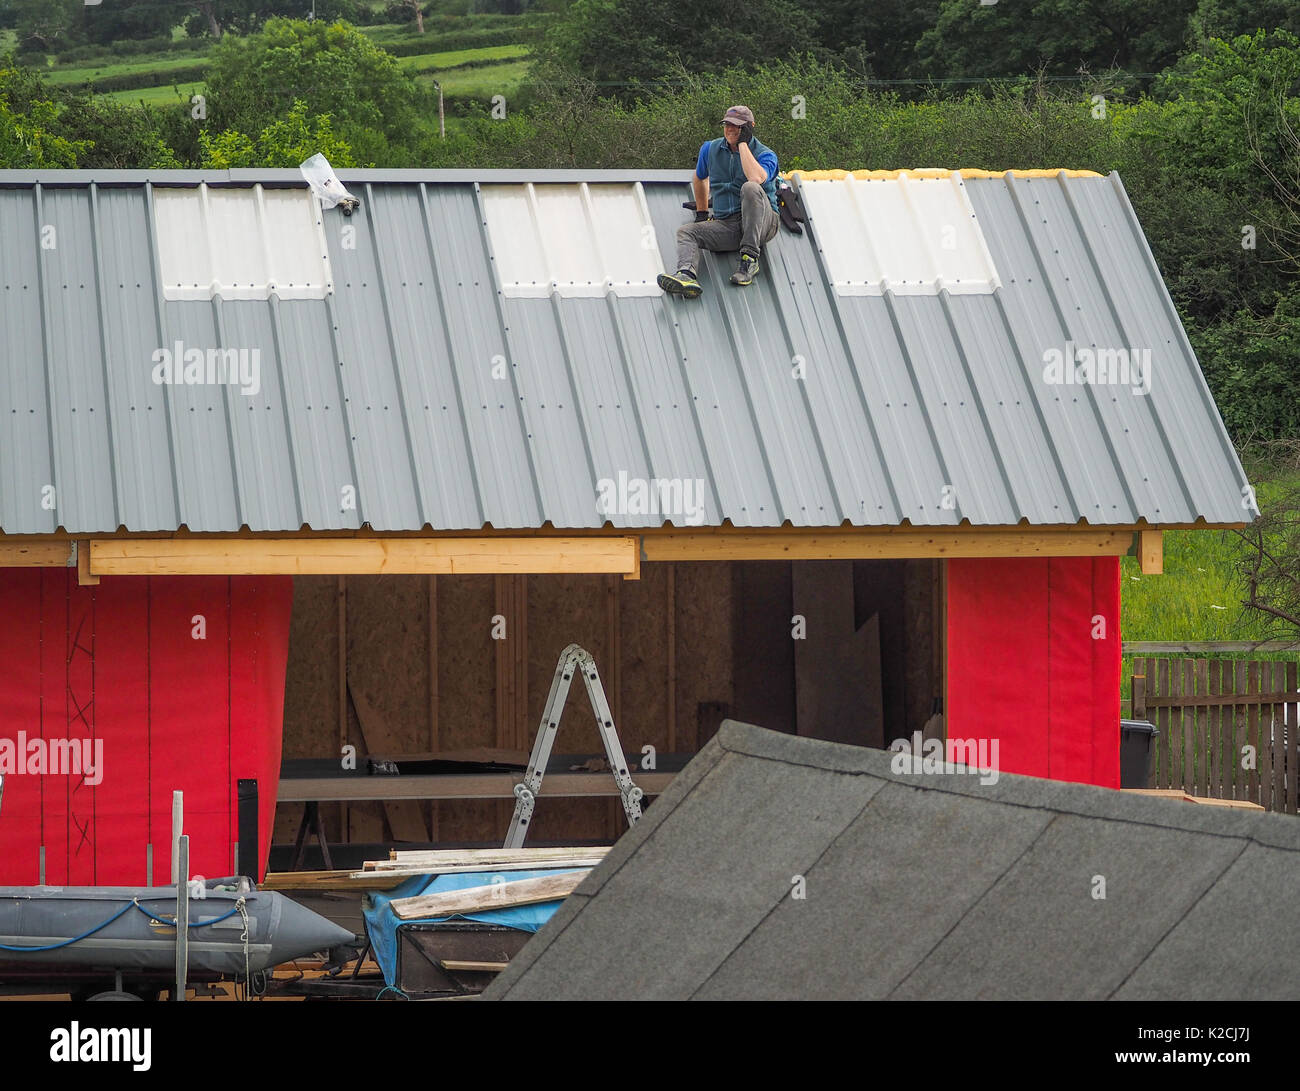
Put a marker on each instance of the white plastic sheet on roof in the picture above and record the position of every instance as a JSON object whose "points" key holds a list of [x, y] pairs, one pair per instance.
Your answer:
{"points": [[910, 235], [240, 243], [577, 240]]}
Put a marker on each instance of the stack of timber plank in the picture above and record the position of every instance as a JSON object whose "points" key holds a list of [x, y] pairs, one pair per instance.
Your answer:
{"points": [[330, 881], [494, 895], [466, 861], [499, 893], [403, 865]]}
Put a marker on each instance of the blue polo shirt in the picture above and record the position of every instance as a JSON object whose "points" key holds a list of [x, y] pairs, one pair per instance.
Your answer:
{"points": [[721, 166]]}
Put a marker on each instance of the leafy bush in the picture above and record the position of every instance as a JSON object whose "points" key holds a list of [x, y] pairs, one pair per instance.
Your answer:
{"points": [[284, 143], [1252, 364], [1225, 110], [116, 136], [254, 81]]}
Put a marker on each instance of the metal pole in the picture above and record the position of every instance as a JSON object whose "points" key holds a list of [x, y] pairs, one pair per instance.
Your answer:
{"points": [[248, 856], [182, 915], [178, 824], [442, 127]]}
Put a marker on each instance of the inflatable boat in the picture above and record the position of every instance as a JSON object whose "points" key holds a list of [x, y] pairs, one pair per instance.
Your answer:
{"points": [[235, 930]]}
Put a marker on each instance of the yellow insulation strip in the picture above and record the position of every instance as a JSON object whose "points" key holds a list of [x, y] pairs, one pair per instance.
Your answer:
{"points": [[838, 175]]}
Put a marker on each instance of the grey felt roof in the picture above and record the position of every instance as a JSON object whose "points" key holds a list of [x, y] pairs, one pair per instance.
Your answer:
{"points": [[921, 409], [919, 887]]}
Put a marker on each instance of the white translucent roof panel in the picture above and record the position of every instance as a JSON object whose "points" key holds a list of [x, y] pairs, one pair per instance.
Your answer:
{"points": [[293, 230], [240, 243], [575, 240], [911, 235], [238, 251], [516, 241], [185, 260]]}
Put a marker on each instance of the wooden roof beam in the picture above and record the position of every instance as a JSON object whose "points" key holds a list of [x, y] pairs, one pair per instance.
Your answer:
{"points": [[545, 555], [897, 543], [41, 553], [1151, 552], [362, 556]]}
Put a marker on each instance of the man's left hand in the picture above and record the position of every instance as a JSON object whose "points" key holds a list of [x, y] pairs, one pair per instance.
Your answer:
{"points": [[746, 133]]}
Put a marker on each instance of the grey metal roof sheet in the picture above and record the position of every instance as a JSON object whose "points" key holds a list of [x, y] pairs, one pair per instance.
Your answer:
{"points": [[385, 383], [932, 886]]}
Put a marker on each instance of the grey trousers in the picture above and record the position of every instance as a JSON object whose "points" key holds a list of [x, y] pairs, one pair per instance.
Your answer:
{"points": [[757, 224]]}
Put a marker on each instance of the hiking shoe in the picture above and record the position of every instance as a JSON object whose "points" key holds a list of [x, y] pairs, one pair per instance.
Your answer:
{"points": [[681, 283], [746, 271]]}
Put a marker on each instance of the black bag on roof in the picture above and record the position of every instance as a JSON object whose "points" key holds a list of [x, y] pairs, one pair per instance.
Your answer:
{"points": [[790, 206]]}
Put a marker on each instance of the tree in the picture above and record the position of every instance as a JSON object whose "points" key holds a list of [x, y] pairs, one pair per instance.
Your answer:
{"points": [[215, 17], [284, 143], [48, 24], [1270, 568], [45, 127], [204, 19], [417, 9], [29, 125], [1226, 109], [28, 142], [878, 37], [1231, 18], [1212, 159], [1060, 37], [117, 136], [625, 45], [335, 69], [1252, 364], [116, 20]]}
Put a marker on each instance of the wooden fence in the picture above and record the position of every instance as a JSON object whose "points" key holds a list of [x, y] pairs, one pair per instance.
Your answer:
{"points": [[1226, 729]]}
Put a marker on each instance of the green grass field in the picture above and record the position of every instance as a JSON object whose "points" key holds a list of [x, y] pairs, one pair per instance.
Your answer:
{"points": [[384, 35], [424, 62], [1199, 595], [158, 96], [483, 81], [389, 34], [1196, 598], [160, 65], [487, 71]]}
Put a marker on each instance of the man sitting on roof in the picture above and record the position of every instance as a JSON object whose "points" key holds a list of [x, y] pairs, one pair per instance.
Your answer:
{"points": [[740, 175]]}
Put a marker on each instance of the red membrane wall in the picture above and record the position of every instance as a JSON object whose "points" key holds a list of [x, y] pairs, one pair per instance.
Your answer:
{"points": [[172, 683], [1033, 661]]}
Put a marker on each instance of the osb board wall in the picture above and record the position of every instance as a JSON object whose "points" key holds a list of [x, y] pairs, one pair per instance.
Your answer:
{"points": [[780, 683], [678, 651], [662, 644]]}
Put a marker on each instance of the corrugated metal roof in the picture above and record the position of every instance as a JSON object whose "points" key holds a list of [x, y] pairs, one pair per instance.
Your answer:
{"points": [[416, 392]]}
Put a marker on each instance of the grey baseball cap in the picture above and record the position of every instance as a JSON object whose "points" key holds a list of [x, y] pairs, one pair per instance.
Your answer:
{"points": [[739, 115]]}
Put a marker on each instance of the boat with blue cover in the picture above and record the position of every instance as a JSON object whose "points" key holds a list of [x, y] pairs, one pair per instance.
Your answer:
{"points": [[73, 935]]}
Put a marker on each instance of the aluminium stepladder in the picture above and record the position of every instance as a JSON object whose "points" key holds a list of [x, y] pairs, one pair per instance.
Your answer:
{"points": [[572, 659]]}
